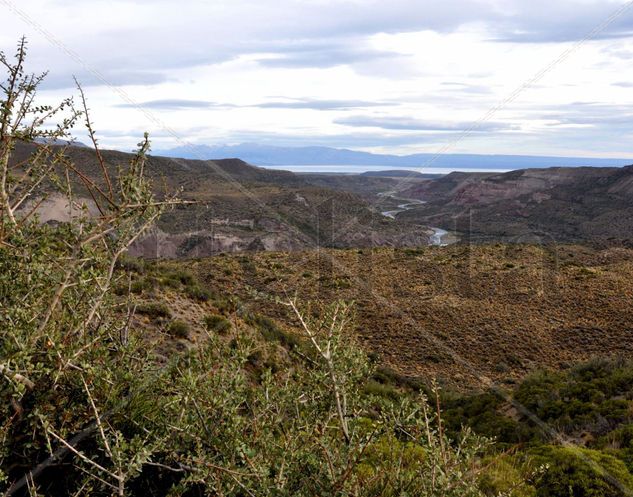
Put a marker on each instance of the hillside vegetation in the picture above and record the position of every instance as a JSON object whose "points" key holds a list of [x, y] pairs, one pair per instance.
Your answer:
{"points": [[284, 373], [557, 430], [467, 315]]}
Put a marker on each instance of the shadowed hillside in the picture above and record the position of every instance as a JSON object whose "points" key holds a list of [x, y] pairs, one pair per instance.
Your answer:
{"points": [[592, 205]]}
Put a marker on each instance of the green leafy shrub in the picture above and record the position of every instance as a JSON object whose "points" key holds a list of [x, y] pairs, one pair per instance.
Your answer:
{"points": [[272, 332], [620, 438], [198, 293], [121, 289], [507, 475], [185, 277], [141, 285], [578, 471], [226, 305], [372, 387], [587, 396], [67, 360], [482, 413], [170, 282], [387, 375], [131, 264]]}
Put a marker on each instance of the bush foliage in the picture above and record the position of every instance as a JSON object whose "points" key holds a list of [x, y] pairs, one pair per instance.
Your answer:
{"points": [[86, 407], [217, 323]]}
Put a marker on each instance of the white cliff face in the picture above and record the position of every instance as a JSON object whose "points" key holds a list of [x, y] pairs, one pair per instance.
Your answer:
{"points": [[159, 244], [57, 209]]}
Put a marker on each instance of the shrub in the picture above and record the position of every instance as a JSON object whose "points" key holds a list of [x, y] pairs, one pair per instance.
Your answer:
{"points": [[414, 251], [184, 276], [504, 475], [178, 329], [62, 347], [197, 293], [141, 285], [372, 387], [217, 323], [481, 412], [387, 375], [154, 310], [578, 471], [131, 264], [170, 282], [620, 438], [120, 289], [588, 396], [273, 333], [226, 305]]}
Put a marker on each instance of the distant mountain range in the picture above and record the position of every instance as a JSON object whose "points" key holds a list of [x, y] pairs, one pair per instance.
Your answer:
{"points": [[267, 155]]}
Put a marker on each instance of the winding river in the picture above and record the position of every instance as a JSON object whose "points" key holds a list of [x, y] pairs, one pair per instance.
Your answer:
{"points": [[439, 236]]}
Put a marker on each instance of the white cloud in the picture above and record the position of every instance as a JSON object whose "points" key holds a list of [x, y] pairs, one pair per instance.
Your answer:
{"points": [[318, 71]]}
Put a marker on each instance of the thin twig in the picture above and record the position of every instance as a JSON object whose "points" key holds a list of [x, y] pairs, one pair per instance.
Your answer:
{"points": [[4, 369], [97, 418], [93, 138], [83, 457]]}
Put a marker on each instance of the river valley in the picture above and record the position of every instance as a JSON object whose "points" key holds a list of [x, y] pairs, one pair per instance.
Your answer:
{"points": [[439, 238]]}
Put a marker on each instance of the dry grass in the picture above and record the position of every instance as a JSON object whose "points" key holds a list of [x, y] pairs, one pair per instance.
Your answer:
{"points": [[463, 315]]}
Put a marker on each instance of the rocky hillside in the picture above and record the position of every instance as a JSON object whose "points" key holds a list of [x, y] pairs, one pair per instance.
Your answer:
{"points": [[559, 204], [239, 207]]}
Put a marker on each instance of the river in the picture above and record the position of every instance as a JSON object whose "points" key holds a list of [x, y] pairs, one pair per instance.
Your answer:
{"points": [[439, 236]]}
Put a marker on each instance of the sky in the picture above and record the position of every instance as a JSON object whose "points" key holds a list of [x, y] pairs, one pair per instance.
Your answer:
{"points": [[400, 76]]}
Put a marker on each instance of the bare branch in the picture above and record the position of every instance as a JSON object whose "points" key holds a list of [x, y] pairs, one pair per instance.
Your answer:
{"points": [[4, 369], [56, 456], [79, 454], [340, 396], [97, 419], [93, 138]]}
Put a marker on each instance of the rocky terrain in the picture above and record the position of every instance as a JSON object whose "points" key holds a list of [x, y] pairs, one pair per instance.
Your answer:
{"points": [[237, 207], [586, 205]]}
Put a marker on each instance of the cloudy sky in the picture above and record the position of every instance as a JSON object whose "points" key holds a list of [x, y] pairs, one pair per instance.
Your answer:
{"points": [[398, 76]]}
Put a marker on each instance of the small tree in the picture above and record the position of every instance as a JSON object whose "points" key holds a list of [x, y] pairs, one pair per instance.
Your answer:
{"points": [[62, 344]]}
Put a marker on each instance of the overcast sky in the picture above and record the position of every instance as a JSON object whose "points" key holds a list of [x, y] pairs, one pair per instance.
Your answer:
{"points": [[397, 76]]}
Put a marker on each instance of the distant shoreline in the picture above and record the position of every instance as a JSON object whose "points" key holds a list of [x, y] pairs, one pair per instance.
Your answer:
{"points": [[359, 169]]}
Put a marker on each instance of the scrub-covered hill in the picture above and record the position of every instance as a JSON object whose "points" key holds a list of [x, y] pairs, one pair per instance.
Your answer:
{"points": [[467, 315]]}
